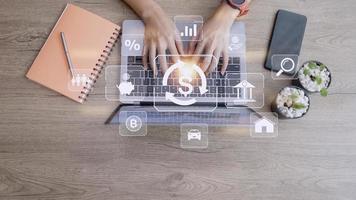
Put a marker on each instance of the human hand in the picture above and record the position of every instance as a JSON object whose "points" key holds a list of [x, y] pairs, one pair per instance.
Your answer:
{"points": [[214, 38], [160, 35]]}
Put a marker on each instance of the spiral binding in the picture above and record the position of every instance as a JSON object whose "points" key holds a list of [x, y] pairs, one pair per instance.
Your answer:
{"points": [[99, 65]]}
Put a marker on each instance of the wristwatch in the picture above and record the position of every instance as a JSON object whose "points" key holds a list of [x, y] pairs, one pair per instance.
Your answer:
{"points": [[241, 5]]}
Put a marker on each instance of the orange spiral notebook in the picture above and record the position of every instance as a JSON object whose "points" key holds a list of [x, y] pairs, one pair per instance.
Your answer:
{"points": [[89, 39]]}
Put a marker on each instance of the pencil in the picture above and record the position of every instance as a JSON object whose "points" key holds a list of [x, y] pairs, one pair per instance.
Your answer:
{"points": [[70, 64]]}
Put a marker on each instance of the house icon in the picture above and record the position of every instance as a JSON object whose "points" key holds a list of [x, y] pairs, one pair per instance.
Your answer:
{"points": [[245, 88], [264, 126]]}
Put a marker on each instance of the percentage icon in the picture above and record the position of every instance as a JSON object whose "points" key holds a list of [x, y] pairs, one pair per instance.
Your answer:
{"points": [[132, 45]]}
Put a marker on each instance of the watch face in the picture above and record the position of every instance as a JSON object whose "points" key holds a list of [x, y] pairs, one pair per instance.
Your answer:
{"points": [[238, 2]]}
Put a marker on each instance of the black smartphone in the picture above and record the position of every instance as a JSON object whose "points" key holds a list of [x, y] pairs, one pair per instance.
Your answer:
{"points": [[286, 42]]}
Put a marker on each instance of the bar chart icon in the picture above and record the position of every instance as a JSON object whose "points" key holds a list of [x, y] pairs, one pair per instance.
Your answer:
{"points": [[190, 31], [189, 27]]}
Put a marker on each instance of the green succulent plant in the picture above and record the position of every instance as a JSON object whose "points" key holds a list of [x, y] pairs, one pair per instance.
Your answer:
{"points": [[324, 92], [294, 104], [307, 72], [298, 106]]}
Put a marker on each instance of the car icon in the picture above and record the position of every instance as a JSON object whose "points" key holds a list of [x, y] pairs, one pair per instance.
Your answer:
{"points": [[194, 134]]}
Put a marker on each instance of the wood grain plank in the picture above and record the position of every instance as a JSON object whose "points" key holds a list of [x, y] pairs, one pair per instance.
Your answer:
{"points": [[52, 148]]}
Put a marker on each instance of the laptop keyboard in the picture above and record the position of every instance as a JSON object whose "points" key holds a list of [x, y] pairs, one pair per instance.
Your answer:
{"points": [[146, 85]]}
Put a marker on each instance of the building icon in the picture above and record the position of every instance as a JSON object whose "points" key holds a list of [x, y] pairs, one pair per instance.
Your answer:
{"points": [[244, 92], [264, 126]]}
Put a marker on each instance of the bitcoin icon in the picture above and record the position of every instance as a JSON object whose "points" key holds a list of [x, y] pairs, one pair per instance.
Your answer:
{"points": [[133, 123], [185, 82]]}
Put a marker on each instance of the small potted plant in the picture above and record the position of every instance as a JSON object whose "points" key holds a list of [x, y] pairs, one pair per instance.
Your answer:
{"points": [[314, 76], [291, 102]]}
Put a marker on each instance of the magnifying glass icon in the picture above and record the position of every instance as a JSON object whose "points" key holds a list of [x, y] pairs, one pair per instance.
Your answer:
{"points": [[284, 68]]}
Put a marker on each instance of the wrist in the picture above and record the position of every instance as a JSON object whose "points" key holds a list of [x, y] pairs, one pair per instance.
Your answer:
{"points": [[226, 13], [153, 13]]}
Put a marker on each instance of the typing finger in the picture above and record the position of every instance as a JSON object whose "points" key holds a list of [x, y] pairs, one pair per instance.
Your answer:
{"points": [[152, 52], [179, 45], [199, 48], [174, 52], [162, 59], [207, 58], [225, 61], [192, 45], [198, 51], [195, 40], [145, 57], [214, 64]]}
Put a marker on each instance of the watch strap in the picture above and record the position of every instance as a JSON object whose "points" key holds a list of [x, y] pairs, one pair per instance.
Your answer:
{"points": [[244, 8]]}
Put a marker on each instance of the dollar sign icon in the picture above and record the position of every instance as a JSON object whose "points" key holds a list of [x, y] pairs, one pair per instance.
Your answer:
{"points": [[185, 82], [133, 123]]}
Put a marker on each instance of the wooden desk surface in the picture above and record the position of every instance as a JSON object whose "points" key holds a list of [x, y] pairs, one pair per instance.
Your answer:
{"points": [[53, 148]]}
